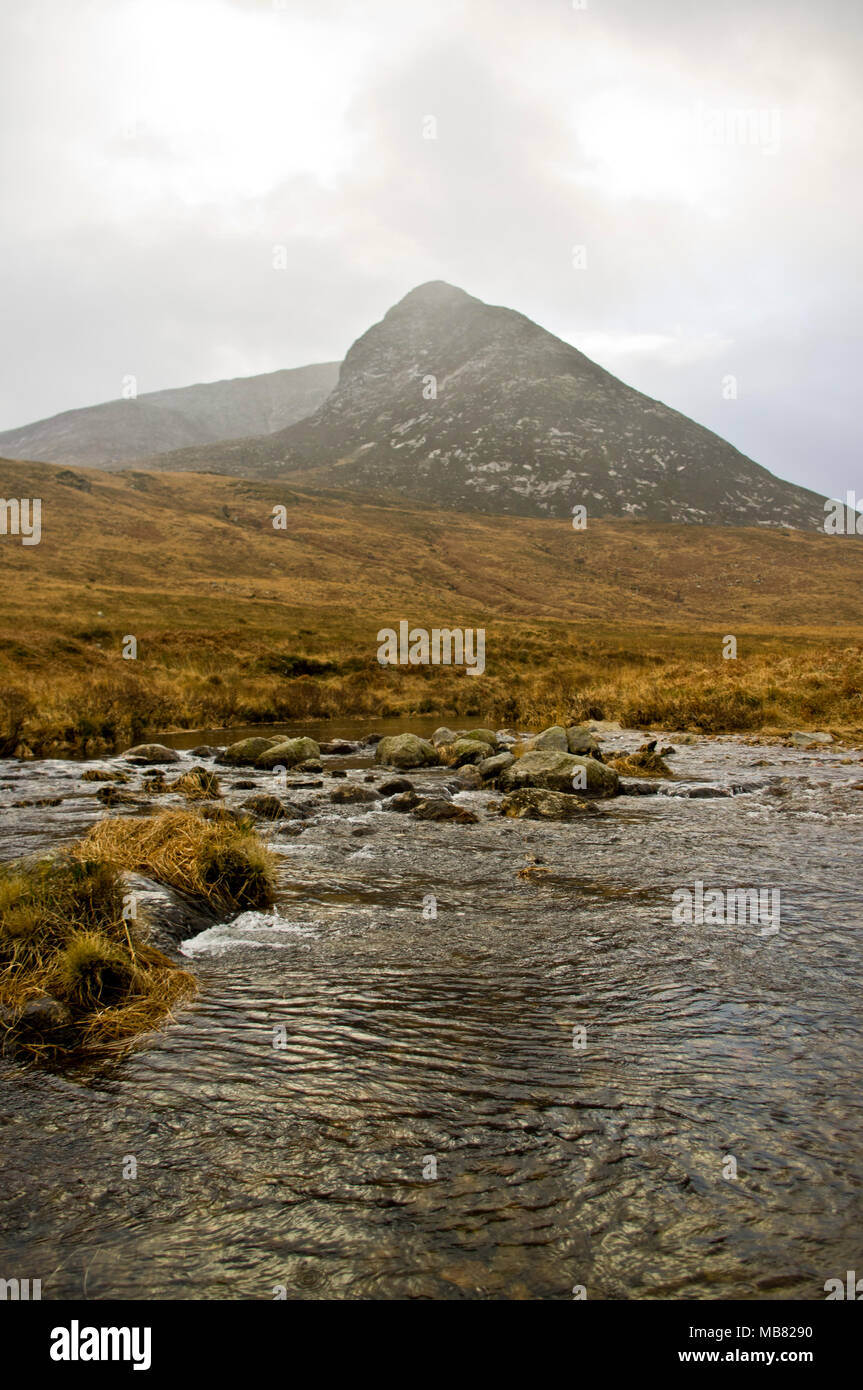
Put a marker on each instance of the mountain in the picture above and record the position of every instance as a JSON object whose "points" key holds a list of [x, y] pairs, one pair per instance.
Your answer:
{"points": [[522, 423], [120, 431]]}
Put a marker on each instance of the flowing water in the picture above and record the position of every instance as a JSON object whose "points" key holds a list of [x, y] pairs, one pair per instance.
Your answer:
{"points": [[367, 1100]]}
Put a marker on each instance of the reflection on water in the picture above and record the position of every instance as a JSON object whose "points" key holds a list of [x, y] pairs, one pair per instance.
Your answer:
{"points": [[283, 1125]]}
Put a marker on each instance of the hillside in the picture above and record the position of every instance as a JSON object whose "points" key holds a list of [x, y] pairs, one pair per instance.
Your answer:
{"points": [[520, 423], [237, 622], [118, 431]]}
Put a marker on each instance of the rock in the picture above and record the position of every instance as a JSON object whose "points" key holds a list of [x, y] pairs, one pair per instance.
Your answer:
{"points": [[290, 752], [468, 750], [338, 772], [393, 785], [245, 751], [468, 778], [96, 774], [362, 830], [216, 811], [804, 739], [553, 738], [493, 767], [580, 740], [554, 771], [204, 750], [370, 777], [339, 747], [151, 753], [373, 738], [443, 735], [603, 726], [481, 736], [310, 765], [437, 810], [266, 807], [44, 1016], [533, 803], [112, 796], [244, 786], [165, 916], [404, 801], [352, 793], [636, 787], [197, 782], [406, 750]]}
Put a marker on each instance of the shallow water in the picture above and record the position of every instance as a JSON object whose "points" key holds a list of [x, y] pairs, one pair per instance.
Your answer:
{"points": [[409, 1039]]}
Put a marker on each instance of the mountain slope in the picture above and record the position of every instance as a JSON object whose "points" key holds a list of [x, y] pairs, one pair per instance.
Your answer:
{"points": [[123, 430], [522, 423]]}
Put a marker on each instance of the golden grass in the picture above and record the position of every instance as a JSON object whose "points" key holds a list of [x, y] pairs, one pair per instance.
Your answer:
{"points": [[222, 861], [63, 937], [238, 624]]}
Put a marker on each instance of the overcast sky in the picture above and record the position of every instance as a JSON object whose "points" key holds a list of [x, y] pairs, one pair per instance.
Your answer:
{"points": [[706, 156]]}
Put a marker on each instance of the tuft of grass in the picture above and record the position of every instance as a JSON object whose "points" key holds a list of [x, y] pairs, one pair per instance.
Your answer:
{"points": [[222, 861], [63, 938]]}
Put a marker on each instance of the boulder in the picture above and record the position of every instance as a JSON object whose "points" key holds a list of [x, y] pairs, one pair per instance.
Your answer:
{"points": [[245, 751], [533, 803], [339, 746], [493, 767], [151, 753], [44, 1017], [443, 735], [290, 752], [555, 772], [804, 739], [438, 810], [404, 801], [468, 750], [482, 736], [352, 793], [553, 738], [393, 785], [406, 750], [580, 740], [204, 750]]}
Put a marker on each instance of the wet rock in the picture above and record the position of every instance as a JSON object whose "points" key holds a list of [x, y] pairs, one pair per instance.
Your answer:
{"points": [[265, 807], [338, 772], [339, 747], [290, 752], [405, 801], [579, 739], [406, 750], [151, 753], [204, 750], [555, 771], [372, 738], [301, 786], [245, 751], [805, 739], [468, 750], [44, 1017], [196, 783], [605, 726], [112, 796], [636, 786], [553, 738], [394, 785], [493, 767], [244, 786], [481, 736], [352, 793], [370, 777], [533, 803], [438, 810], [165, 916], [443, 735], [645, 762], [310, 765], [216, 811], [468, 778], [98, 774]]}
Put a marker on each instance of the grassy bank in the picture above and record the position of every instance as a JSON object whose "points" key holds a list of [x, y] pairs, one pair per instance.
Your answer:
{"points": [[77, 977], [536, 674]]}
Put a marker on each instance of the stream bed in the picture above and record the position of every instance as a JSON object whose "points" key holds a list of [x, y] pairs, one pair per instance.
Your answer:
{"points": [[379, 1096]]}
